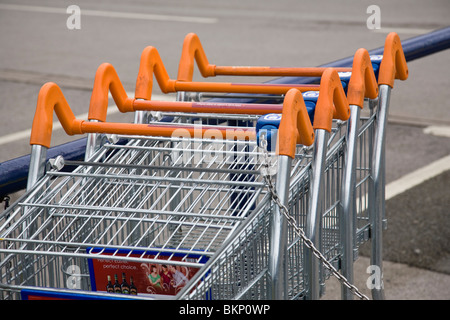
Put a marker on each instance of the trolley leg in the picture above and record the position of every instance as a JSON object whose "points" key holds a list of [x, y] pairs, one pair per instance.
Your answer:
{"points": [[36, 171], [314, 217], [348, 205], [378, 196], [348, 202], [37, 165], [278, 233]]}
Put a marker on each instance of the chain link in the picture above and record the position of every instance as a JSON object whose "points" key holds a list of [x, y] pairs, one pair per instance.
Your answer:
{"points": [[291, 221]]}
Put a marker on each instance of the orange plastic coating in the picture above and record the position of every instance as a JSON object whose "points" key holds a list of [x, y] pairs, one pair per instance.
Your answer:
{"points": [[331, 93], [193, 52], [193, 49], [207, 107], [107, 80], [51, 98], [241, 87], [150, 64], [363, 82], [273, 71], [393, 66], [295, 126]]}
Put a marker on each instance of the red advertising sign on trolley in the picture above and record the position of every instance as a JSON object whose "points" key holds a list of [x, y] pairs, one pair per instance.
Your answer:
{"points": [[140, 278]]}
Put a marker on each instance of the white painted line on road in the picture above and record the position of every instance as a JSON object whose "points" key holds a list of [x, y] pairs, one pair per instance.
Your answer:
{"points": [[417, 177], [25, 134], [110, 14], [410, 180], [442, 131], [403, 30], [15, 136]]}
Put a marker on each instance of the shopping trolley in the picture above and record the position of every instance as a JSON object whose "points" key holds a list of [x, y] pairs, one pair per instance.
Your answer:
{"points": [[245, 254]]}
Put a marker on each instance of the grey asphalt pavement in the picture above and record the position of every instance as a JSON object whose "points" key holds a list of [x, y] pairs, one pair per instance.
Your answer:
{"points": [[37, 46]]}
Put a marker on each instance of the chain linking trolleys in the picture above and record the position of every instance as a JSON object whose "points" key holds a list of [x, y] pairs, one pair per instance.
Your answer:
{"points": [[154, 198]]}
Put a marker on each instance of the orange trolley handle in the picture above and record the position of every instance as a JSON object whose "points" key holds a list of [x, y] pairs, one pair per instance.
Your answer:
{"points": [[151, 64], [51, 99], [393, 66], [107, 80], [363, 82], [192, 52], [332, 102]]}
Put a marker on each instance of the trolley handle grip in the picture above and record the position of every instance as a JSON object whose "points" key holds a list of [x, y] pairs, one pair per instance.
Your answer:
{"points": [[295, 126], [206, 107], [193, 50], [331, 94], [151, 64], [393, 66], [107, 80], [363, 82], [51, 98]]}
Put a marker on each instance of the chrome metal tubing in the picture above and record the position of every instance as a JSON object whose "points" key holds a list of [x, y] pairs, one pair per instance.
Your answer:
{"points": [[37, 165], [314, 217], [92, 144], [140, 116], [278, 233], [378, 196]]}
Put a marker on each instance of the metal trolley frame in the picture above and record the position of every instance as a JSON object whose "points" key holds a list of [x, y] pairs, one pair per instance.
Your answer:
{"points": [[144, 193]]}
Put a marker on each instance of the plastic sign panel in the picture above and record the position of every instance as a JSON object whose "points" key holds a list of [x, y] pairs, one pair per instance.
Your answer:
{"points": [[141, 278]]}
